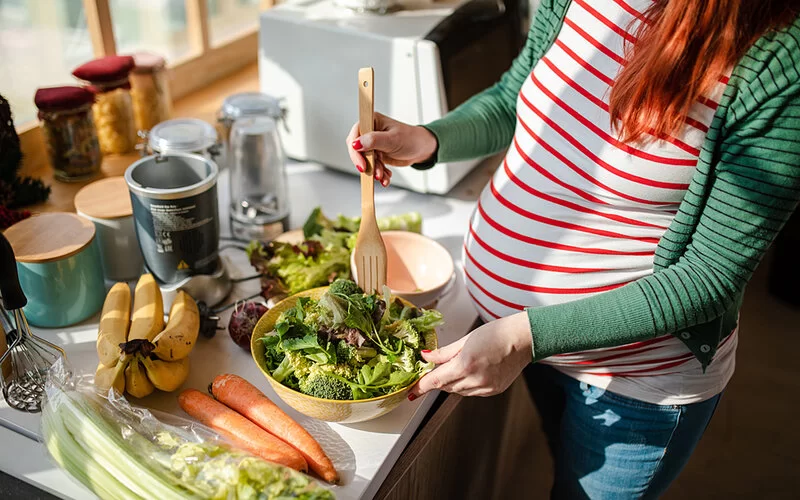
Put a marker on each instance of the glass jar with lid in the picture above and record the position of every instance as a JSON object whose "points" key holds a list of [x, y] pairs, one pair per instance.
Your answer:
{"points": [[245, 104], [259, 196], [182, 135], [69, 131], [107, 77], [150, 94]]}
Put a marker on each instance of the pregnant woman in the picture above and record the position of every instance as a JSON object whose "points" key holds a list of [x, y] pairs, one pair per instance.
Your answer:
{"points": [[653, 154]]}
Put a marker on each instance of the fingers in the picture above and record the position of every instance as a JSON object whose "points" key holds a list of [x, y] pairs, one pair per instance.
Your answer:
{"points": [[382, 172], [441, 377], [446, 353], [375, 141], [355, 157]]}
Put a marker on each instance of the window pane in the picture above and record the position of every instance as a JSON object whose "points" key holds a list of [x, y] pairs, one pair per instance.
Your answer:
{"points": [[155, 25], [231, 18], [39, 47]]}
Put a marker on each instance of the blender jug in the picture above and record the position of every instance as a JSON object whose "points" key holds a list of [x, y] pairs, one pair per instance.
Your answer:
{"points": [[258, 186]]}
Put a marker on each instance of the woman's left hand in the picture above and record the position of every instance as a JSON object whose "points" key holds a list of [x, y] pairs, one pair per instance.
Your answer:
{"points": [[483, 363]]}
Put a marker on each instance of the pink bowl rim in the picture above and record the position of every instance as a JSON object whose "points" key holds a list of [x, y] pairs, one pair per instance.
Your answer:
{"points": [[421, 237]]}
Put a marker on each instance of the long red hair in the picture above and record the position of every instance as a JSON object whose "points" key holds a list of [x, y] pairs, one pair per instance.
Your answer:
{"points": [[682, 48]]}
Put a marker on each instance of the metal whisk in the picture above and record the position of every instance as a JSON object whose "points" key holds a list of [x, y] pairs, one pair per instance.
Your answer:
{"points": [[30, 356]]}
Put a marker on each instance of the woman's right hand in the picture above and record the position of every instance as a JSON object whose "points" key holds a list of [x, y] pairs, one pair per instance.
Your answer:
{"points": [[393, 142]]}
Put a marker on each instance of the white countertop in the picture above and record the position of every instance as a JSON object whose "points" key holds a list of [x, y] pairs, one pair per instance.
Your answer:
{"points": [[364, 453]]}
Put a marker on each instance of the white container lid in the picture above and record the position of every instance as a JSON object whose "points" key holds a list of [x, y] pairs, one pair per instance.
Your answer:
{"points": [[250, 104], [186, 135]]}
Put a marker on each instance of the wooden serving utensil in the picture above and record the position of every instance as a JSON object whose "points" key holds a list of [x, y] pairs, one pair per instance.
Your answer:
{"points": [[369, 255]]}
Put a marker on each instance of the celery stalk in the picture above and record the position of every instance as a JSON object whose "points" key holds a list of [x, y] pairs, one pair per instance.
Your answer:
{"points": [[122, 452], [72, 457], [106, 449]]}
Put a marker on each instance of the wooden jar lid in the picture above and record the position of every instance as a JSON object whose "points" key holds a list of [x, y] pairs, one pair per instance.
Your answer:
{"points": [[105, 199], [49, 237]]}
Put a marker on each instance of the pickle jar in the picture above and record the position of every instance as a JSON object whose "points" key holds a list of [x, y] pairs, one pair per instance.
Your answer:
{"points": [[108, 78], [69, 131], [150, 95]]}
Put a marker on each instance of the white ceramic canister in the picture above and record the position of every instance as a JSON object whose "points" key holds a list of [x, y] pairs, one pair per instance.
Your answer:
{"points": [[107, 204]]}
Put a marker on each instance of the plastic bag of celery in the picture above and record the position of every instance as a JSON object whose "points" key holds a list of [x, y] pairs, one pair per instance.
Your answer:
{"points": [[120, 451]]}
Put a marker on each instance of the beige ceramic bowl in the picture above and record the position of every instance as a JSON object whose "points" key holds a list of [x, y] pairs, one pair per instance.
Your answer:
{"points": [[322, 409], [418, 269]]}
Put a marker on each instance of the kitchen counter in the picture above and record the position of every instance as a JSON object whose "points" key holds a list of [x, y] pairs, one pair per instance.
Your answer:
{"points": [[365, 453]]}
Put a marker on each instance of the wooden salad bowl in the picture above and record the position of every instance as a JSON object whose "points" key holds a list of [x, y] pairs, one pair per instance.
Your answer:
{"points": [[328, 410]]}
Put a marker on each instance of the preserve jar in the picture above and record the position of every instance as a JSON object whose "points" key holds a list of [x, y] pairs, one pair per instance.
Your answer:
{"points": [[182, 135], [150, 94], [245, 104], [108, 78], [69, 131], [259, 191]]}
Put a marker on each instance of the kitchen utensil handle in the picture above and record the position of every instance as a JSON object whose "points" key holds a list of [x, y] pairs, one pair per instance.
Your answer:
{"points": [[366, 123], [13, 297]]}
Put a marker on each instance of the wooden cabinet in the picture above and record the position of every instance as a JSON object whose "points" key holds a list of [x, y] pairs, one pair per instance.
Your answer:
{"points": [[474, 448]]}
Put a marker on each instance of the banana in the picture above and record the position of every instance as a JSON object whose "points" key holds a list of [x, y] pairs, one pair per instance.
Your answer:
{"points": [[107, 377], [178, 338], [114, 323], [136, 382], [165, 375], [148, 310]]}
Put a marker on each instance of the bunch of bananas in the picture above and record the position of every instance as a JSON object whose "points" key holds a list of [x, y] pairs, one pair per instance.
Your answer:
{"points": [[137, 353]]}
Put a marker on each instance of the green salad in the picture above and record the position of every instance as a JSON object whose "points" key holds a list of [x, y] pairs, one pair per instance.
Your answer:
{"points": [[349, 345], [321, 258]]}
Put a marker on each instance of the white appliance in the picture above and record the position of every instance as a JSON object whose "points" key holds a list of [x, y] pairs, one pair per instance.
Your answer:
{"points": [[428, 58]]}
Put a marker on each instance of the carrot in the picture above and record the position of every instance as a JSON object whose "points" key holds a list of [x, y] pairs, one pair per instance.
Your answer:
{"points": [[238, 394], [239, 430]]}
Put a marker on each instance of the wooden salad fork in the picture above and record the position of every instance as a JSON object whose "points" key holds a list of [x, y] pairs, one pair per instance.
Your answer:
{"points": [[369, 255]]}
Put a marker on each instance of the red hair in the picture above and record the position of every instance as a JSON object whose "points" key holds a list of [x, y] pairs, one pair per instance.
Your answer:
{"points": [[682, 48]]}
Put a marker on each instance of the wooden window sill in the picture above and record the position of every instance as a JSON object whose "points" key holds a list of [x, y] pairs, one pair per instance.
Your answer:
{"points": [[202, 104]]}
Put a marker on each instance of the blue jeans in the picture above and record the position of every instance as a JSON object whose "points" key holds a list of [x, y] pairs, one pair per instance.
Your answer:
{"points": [[607, 446]]}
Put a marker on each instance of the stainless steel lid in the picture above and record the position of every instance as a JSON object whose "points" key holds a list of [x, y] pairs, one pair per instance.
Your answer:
{"points": [[186, 135], [250, 104]]}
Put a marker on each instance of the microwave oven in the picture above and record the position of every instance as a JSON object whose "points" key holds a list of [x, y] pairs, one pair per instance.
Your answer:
{"points": [[428, 59]]}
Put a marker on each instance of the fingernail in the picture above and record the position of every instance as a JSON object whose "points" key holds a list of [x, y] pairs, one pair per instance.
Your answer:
{"points": [[357, 145], [360, 168], [426, 351], [385, 183], [412, 397]]}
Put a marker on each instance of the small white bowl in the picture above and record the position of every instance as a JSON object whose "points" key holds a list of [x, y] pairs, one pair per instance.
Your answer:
{"points": [[418, 269]]}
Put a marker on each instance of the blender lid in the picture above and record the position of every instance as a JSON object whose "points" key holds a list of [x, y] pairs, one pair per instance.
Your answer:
{"points": [[251, 103], [182, 134]]}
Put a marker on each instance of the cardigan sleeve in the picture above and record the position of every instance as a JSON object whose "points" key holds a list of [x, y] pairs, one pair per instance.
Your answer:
{"points": [[484, 124], [750, 192]]}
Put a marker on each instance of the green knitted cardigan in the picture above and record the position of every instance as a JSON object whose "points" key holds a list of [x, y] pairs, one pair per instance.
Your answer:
{"points": [[746, 185]]}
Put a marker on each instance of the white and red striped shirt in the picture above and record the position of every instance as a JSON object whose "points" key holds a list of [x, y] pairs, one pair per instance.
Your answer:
{"points": [[573, 211]]}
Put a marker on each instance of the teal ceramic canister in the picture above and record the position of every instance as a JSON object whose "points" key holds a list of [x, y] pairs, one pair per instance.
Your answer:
{"points": [[58, 261]]}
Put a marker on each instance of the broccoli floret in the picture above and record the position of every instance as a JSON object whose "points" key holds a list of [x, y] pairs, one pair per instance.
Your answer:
{"points": [[322, 384], [293, 363], [345, 353], [343, 370], [345, 287], [404, 330], [407, 360], [352, 355]]}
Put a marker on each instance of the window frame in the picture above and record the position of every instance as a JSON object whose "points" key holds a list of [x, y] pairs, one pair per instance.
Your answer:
{"points": [[203, 66]]}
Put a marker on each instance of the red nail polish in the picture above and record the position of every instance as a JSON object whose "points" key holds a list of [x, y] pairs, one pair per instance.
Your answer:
{"points": [[360, 168], [426, 351], [357, 145], [411, 397]]}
